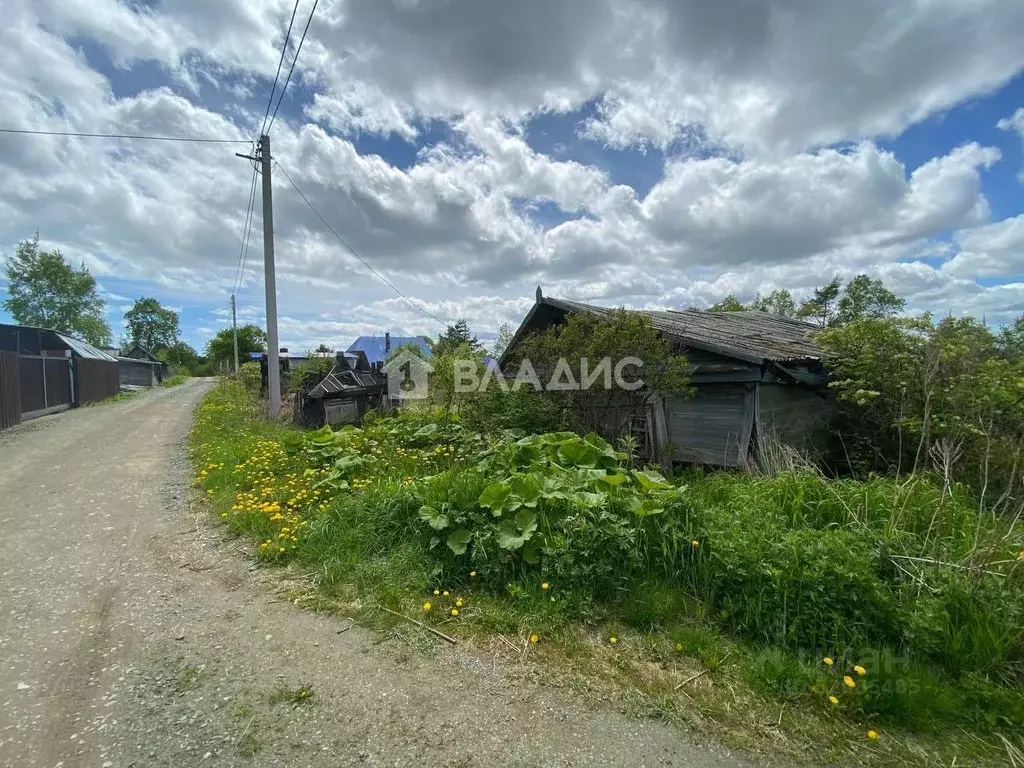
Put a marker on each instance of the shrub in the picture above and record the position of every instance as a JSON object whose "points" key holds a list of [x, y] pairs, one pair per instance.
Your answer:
{"points": [[251, 377]]}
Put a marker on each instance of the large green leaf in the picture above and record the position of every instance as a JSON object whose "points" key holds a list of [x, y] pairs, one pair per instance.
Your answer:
{"points": [[650, 481], [436, 519], [495, 497], [589, 500], [614, 479], [578, 453], [458, 540], [531, 553], [526, 489], [426, 431], [509, 536], [526, 520]]}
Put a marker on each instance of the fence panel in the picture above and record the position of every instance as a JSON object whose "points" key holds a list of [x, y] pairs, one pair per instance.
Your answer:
{"points": [[10, 390]]}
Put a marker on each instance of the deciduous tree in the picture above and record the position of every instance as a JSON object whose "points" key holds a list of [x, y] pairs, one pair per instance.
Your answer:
{"points": [[151, 325], [45, 290]]}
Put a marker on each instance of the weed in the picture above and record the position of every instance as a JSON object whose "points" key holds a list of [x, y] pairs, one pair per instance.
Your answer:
{"points": [[294, 696]]}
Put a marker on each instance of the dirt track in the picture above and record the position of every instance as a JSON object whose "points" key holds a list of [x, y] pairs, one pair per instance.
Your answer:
{"points": [[133, 634]]}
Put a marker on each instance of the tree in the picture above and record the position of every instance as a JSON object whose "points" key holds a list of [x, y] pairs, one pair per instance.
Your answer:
{"points": [[455, 336], [151, 325], [867, 298], [505, 334], [251, 338], [180, 353], [46, 291], [729, 304], [1010, 342], [323, 349], [778, 302], [820, 308]]}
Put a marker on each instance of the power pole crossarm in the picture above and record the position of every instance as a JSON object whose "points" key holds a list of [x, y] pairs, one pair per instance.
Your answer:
{"points": [[273, 365]]}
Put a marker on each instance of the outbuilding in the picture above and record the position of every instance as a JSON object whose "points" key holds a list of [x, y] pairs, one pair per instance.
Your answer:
{"points": [[757, 382], [43, 371]]}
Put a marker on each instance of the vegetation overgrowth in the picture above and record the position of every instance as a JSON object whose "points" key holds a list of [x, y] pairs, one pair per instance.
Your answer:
{"points": [[873, 609]]}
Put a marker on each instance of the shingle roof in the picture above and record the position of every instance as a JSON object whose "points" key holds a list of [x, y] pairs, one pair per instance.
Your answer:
{"points": [[747, 335], [373, 346]]}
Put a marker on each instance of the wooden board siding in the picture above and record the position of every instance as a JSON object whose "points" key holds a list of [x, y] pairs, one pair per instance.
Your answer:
{"points": [[795, 415], [136, 373], [10, 390], [95, 380], [713, 427]]}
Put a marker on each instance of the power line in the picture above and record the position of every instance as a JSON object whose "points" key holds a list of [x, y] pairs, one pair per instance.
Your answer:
{"points": [[351, 250], [243, 248], [284, 47], [124, 136], [292, 68]]}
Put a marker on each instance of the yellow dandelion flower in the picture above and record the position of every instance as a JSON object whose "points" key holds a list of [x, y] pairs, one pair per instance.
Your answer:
{"points": [[833, 700], [427, 607], [613, 640], [545, 585], [828, 661], [848, 682], [859, 670], [445, 593], [679, 647], [458, 603], [455, 611], [695, 544], [872, 734], [472, 574], [437, 591], [534, 638]]}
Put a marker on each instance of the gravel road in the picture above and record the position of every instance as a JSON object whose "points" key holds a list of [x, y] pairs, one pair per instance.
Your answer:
{"points": [[133, 633]]}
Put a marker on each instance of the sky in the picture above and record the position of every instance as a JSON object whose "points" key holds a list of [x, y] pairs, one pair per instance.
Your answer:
{"points": [[641, 153]]}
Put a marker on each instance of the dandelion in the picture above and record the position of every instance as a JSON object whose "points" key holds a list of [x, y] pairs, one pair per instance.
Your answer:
{"points": [[679, 647], [833, 700], [472, 574], [445, 593], [848, 682], [458, 603], [437, 591], [544, 586], [613, 640], [695, 544], [859, 670], [872, 734], [427, 607], [455, 611], [828, 661], [534, 639]]}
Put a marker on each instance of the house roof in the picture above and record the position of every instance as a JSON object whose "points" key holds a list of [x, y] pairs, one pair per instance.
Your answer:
{"points": [[373, 346], [137, 349], [747, 335]]}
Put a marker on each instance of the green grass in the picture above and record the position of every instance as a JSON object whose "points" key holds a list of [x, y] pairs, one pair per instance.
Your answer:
{"points": [[736, 587], [175, 380]]}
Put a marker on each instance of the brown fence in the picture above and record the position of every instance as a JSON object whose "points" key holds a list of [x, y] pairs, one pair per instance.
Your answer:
{"points": [[45, 383], [95, 380], [10, 390]]}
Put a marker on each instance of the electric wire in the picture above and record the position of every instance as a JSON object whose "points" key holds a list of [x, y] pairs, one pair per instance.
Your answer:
{"points": [[351, 250], [292, 68]]}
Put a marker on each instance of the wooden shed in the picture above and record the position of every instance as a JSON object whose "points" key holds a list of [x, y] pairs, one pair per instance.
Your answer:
{"points": [[756, 377], [42, 371]]}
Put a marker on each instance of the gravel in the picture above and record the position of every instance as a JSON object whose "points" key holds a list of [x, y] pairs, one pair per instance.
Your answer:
{"points": [[135, 634]]}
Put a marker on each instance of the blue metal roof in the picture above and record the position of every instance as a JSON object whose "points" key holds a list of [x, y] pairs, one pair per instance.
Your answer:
{"points": [[373, 346]]}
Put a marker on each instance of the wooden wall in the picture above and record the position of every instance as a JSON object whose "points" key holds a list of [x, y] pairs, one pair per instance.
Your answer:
{"points": [[95, 380], [10, 390]]}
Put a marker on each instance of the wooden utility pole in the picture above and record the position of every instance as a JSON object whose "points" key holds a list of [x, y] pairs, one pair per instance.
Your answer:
{"points": [[234, 331], [270, 280]]}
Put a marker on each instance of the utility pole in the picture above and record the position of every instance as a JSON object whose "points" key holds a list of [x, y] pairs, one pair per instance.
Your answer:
{"points": [[234, 331], [270, 281]]}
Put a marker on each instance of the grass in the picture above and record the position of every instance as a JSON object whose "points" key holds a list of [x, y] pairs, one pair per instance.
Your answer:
{"points": [[724, 597], [175, 380]]}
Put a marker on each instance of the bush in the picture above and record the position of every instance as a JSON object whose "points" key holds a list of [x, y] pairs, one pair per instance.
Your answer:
{"points": [[251, 376]]}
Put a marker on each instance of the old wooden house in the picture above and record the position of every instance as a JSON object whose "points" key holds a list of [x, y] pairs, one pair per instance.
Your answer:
{"points": [[756, 378], [138, 367]]}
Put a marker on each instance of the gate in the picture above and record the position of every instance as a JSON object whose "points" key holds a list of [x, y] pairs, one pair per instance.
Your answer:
{"points": [[10, 390], [45, 383]]}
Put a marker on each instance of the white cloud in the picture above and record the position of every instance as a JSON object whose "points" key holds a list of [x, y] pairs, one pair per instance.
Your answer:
{"points": [[993, 250]]}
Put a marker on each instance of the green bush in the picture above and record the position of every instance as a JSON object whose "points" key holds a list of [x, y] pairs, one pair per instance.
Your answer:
{"points": [[251, 377]]}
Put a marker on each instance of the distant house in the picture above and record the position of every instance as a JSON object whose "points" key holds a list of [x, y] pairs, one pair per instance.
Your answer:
{"points": [[138, 367], [377, 348], [43, 371], [756, 377]]}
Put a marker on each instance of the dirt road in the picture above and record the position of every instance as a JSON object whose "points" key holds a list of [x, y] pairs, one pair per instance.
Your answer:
{"points": [[133, 633]]}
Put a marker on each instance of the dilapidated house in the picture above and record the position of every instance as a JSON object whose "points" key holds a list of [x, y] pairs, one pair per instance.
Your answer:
{"points": [[756, 378], [344, 395]]}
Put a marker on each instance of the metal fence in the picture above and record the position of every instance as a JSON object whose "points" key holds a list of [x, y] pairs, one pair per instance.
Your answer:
{"points": [[10, 390], [45, 383]]}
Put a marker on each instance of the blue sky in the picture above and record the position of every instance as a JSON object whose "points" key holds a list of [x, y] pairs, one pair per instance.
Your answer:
{"points": [[660, 157]]}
